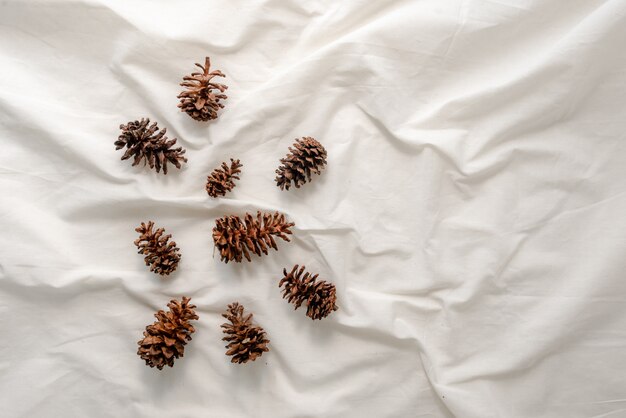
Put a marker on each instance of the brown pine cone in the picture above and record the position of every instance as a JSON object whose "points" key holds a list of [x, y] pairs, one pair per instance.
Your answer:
{"points": [[246, 341], [160, 255], [144, 143], [165, 340], [236, 239], [199, 99], [221, 179], [307, 156], [320, 296]]}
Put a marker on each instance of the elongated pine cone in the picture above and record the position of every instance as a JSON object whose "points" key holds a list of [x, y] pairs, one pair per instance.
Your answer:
{"points": [[320, 296], [307, 156], [221, 179], [165, 340], [161, 255], [246, 341], [148, 144], [236, 238], [199, 99]]}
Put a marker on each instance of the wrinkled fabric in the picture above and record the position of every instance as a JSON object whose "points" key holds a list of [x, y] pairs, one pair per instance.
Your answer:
{"points": [[471, 214]]}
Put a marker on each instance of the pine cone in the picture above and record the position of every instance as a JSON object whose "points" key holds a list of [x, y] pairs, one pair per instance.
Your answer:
{"points": [[320, 296], [160, 255], [236, 239], [199, 100], [246, 341], [221, 179], [308, 156], [164, 340], [144, 143]]}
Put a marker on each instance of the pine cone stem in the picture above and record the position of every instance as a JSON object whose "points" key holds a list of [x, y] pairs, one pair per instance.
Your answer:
{"points": [[246, 341], [165, 340], [319, 295], [236, 238]]}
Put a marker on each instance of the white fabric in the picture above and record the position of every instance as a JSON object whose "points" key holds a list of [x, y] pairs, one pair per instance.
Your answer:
{"points": [[471, 215]]}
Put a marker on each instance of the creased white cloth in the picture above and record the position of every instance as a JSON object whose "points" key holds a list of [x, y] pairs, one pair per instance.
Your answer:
{"points": [[472, 214]]}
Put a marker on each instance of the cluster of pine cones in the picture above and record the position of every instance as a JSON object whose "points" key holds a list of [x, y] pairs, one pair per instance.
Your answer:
{"points": [[236, 238]]}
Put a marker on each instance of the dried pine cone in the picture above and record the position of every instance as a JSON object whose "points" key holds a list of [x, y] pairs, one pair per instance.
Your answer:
{"points": [[308, 156], [320, 296], [160, 255], [144, 143], [199, 100], [221, 179], [246, 341], [236, 239], [164, 341]]}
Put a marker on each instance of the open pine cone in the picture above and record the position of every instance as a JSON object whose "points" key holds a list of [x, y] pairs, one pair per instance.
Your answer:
{"points": [[143, 142], [199, 99], [165, 340], [307, 156], [221, 179], [320, 296], [236, 238], [246, 341], [161, 255]]}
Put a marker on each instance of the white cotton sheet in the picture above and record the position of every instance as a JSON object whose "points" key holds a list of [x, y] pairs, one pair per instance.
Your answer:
{"points": [[471, 215]]}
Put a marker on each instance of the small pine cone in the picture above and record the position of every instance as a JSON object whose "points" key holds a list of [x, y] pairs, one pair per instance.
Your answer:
{"points": [[199, 100], [307, 156], [165, 340], [236, 239], [160, 255], [147, 143], [320, 296], [246, 341], [221, 179]]}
